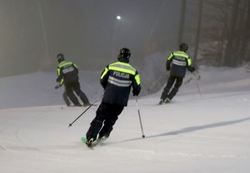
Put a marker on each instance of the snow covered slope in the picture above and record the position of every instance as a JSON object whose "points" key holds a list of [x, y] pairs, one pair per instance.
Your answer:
{"points": [[206, 131]]}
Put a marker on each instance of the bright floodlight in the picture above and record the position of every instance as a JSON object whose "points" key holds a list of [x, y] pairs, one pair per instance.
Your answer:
{"points": [[118, 17]]}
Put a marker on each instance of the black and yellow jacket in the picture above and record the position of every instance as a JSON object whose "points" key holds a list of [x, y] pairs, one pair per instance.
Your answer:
{"points": [[67, 72], [178, 62], [117, 79]]}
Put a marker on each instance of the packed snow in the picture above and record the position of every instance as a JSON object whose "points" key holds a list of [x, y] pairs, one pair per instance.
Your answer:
{"points": [[204, 129]]}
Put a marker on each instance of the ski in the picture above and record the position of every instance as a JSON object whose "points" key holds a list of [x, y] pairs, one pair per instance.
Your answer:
{"points": [[164, 102]]}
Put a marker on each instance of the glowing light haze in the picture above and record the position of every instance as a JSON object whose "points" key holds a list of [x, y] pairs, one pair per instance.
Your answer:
{"points": [[89, 32]]}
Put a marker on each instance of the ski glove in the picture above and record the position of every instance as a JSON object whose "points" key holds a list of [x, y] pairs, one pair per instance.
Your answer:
{"points": [[58, 86], [136, 91], [191, 69]]}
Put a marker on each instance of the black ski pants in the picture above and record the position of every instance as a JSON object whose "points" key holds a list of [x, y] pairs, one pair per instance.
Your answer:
{"points": [[102, 124], [66, 99], [75, 87], [167, 92]]}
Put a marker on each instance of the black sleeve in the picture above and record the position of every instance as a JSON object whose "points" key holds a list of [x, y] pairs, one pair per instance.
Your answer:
{"points": [[104, 81], [75, 67], [136, 90], [168, 65], [77, 71], [59, 78], [169, 60]]}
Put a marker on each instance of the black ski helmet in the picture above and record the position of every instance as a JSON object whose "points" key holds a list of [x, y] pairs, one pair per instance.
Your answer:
{"points": [[124, 55], [183, 47], [60, 57]]}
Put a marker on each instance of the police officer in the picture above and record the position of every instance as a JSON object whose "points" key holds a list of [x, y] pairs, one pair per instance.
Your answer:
{"points": [[67, 73], [117, 80], [177, 62]]}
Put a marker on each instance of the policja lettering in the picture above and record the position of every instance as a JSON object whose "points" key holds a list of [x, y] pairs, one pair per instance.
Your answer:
{"points": [[121, 74]]}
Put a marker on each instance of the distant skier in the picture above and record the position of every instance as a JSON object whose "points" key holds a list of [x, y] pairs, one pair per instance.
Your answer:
{"points": [[117, 80], [67, 73], [177, 62]]}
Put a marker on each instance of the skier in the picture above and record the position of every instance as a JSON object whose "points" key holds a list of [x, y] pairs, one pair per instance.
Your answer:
{"points": [[117, 80], [177, 62], [67, 73]]}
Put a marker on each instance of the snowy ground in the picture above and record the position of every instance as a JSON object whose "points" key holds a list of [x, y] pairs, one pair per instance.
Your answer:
{"points": [[205, 132]]}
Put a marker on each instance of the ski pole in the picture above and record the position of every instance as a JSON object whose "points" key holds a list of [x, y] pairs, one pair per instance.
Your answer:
{"points": [[199, 89], [197, 84], [82, 113], [139, 114]]}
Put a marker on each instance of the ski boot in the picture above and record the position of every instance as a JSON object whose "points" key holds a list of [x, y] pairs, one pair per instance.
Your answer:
{"points": [[161, 102], [90, 142], [167, 100]]}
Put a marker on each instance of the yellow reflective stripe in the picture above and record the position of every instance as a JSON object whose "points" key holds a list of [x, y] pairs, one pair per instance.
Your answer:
{"points": [[170, 56], [138, 79], [61, 82], [122, 70], [189, 60], [75, 65], [104, 72], [58, 71], [181, 54], [122, 67], [125, 68], [64, 63]]}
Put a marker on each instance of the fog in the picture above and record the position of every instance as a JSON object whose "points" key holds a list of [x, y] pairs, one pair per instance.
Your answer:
{"points": [[86, 31]]}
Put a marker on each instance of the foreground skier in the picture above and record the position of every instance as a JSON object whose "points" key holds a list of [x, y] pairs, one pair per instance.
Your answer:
{"points": [[117, 80]]}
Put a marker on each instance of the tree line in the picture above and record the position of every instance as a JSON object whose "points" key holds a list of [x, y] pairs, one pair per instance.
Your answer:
{"points": [[222, 31]]}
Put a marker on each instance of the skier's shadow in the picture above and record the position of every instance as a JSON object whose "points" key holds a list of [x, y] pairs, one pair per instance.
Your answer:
{"points": [[188, 130]]}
